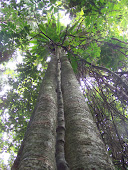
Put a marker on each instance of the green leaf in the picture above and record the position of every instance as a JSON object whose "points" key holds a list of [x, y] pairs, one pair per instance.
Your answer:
{"points": [[58, 23], [42, 27], [71, 29], [44, 37]]}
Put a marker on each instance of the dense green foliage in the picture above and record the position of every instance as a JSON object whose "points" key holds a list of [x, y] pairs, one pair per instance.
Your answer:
{"points": [[96, 45]]}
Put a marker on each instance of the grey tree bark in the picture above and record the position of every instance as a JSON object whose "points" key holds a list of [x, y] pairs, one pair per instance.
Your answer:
{"points": [[84, 147], [43, 144], [37, 151]]}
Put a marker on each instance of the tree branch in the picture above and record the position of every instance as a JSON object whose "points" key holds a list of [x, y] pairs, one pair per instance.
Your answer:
{"points": [[119, 80], [119, 40], [121, 73]]}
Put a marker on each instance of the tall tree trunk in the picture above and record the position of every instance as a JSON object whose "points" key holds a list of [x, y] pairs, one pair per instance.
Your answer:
{"points": [[38, 147], [84, 147], [60, 138]]}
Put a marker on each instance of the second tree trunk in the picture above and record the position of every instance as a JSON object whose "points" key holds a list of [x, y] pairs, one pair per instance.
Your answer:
{"points": [[84, 147]]}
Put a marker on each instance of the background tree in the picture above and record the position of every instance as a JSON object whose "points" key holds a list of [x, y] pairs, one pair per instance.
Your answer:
{"points": [[96, 45]]}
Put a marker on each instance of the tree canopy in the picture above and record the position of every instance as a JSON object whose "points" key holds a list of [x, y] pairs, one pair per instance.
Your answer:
{"points": [[95, 43]]}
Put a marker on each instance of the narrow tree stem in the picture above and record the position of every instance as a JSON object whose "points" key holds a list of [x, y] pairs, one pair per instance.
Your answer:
{"points": [[60, 155]]}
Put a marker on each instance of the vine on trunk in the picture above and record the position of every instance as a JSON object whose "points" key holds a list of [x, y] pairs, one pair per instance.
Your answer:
{"points": [[60, 139]]}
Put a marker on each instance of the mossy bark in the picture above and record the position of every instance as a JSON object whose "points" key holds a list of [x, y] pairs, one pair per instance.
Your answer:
{"points": [[84, 147], [38, 148]]}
